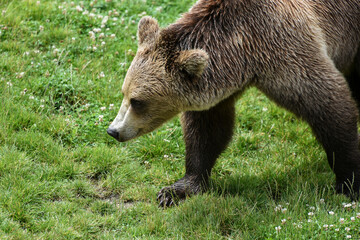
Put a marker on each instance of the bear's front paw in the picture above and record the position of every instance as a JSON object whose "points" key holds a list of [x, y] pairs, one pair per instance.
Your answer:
{"points": [[169, 196]]}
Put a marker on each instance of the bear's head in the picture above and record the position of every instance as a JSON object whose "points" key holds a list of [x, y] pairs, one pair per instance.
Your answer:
{"points": [[159, 83]]}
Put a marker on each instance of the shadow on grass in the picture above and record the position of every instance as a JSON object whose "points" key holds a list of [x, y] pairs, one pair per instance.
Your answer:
{"points": [[314, 179]]}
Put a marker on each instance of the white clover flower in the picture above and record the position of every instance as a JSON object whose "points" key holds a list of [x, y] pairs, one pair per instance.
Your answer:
{"points": [[31, 97], [312, 208], [38, 3], [101, 118], [9, 84], [86, 12], [92, 35], [56, 51], [79, 9], [309, 220], [112, 36], [278, 228], [104, 20], [111, 106], [283, 221], [142, 14], [97, 30], [115, 19], [42, 106], [322, 200], [348, 236], [101, 75], [103, 43], [348, 205], [284, 210], [326, 226], [159, 9], [92, 15], [103, 108], [352, 219], [357, 215], [23, 92], [94, 48], [347, 229], [311, 214], [342, 220], [20, 75], [331, 213], [101, 35], [337, 229]]}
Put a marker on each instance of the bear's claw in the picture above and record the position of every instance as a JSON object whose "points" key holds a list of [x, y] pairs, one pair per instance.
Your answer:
{"points": [[170, 196]]}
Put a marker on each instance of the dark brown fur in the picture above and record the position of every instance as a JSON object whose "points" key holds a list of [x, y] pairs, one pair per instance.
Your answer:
{"points": [[294, 51]]}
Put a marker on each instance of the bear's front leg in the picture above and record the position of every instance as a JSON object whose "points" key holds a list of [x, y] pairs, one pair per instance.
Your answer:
{"points": [[206, 135]]}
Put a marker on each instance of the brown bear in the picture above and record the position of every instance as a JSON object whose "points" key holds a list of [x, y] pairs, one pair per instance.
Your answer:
{"points": [[304, 55]]}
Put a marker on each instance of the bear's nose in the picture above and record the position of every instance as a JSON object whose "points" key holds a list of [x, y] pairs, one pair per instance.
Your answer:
{"points": [[112, 132]]}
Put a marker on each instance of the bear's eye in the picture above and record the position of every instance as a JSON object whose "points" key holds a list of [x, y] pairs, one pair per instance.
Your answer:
{"points": [[137, 104]]}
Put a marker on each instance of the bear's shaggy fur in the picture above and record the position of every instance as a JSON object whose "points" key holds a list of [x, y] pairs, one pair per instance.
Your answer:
{"points": [[299, 53]]}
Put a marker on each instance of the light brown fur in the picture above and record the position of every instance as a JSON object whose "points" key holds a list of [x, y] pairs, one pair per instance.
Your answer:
{"points": [[294, 51]]}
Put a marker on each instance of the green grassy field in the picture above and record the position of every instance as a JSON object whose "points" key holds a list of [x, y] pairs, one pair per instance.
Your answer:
{"points": [[62, 177]]}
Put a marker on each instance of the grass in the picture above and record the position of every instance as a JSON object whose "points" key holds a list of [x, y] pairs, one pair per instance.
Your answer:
{"points": [[62, 177]]}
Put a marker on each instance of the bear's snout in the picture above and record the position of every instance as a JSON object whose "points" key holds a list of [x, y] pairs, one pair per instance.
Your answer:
{"points": [[112, 132]]}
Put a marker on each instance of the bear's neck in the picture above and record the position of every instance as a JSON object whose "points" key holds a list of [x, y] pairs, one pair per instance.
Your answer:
{"points": [[210, 26]]}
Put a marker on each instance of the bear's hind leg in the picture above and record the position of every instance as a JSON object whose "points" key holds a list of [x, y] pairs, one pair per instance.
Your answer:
{"points": [[321, 96], [206, 135]]}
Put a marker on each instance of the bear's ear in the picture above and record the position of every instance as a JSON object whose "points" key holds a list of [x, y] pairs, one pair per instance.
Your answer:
{"points": [[193, 62], [148, 29]]}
